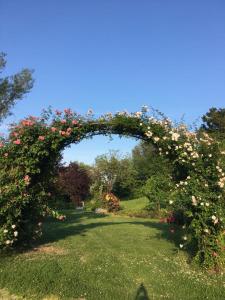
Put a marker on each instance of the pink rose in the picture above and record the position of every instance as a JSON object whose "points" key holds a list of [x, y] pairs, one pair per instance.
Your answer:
{"points": [[27, 179], [74, 122], [53, 129], [61, 132], [68, 111], [17, 142], [41, 138]]}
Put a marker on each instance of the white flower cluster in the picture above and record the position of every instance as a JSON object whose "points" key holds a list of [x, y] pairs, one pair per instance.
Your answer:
{"points": [[175, 136], [215, 220], [15, 234], [188, 147], [156, 139], [138, 114], [221, 182], [194, 201], [148, 134]]}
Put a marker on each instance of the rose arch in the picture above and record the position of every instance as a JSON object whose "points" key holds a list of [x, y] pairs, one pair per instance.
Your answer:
{"points": [[28, 157]]}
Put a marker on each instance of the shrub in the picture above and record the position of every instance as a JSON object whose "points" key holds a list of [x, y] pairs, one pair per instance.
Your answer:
{"points": [[158, 191], [111, 202]]}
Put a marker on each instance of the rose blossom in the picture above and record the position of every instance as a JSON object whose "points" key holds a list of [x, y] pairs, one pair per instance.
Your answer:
{"points": [[74, 122], [17, 142], [27, 179]]}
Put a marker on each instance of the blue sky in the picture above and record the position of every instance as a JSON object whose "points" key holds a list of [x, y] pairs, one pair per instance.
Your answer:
{"points": [[115, 55]]}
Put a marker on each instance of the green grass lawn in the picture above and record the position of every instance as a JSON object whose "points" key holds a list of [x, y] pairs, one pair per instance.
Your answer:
{"points": [[105, 257], [134, 205], [135, 208]]}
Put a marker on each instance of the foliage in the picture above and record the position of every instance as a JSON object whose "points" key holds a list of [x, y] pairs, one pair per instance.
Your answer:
{"points": [[28, 158], [74, 181], [158, 189], [135, 207], [113, 173], [106, 171], [147, 162], [214, 123], [94, 203], [126, 183], [13, 87]]}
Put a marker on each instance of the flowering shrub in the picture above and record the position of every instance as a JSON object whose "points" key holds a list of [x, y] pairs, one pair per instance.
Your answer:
{"points": [[28, 157], [111, 202]]}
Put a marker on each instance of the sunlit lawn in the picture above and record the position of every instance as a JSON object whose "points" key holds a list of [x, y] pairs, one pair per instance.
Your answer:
{"points": [[106, 257], [134, 206]]}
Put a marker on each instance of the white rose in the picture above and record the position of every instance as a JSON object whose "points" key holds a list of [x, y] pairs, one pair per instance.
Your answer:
{"points": [[148, 133], [194, 200]]}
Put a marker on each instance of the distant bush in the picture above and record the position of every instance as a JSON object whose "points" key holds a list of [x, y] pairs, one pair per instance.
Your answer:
{"points": [[93, 204], [111, 202], [73, 183], [158, 190]]}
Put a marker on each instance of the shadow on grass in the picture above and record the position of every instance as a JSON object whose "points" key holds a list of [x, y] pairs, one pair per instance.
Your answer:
{"points": [[142, 293], [55, 230]]}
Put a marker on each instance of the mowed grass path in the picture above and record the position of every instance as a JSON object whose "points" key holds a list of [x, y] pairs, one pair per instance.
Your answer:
{"points": [[106, 257]]}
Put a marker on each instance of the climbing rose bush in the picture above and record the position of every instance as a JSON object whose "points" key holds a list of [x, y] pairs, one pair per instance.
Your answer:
{"points": [[28, 157]]}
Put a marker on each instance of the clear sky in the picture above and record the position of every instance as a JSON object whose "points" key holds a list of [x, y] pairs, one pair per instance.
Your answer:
{"points": [[112, 55]]}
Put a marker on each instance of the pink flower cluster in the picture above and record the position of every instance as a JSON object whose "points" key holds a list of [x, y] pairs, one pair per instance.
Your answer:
{"points": [[27, 123], [41, 138], [27, 179], [17, 142], [61, 218]]}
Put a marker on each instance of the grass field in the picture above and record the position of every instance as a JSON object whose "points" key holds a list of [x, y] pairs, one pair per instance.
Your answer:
{"points": [[134, 205], [98, 257]]}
